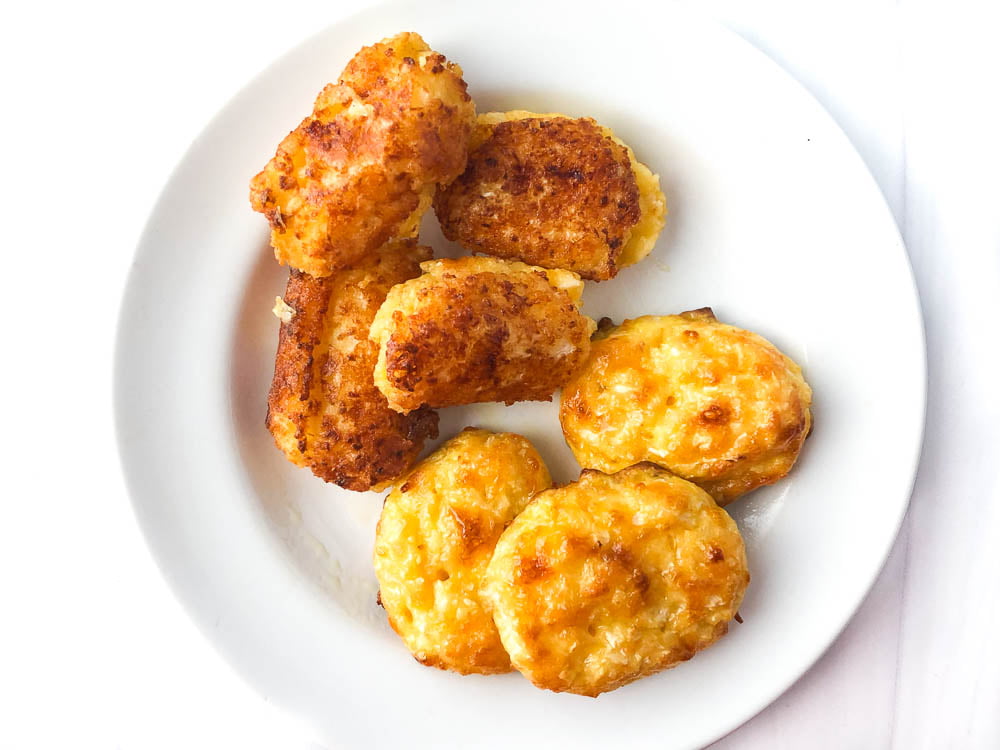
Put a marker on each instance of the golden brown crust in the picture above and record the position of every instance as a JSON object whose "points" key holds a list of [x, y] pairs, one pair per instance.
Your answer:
{"points": [[479, 329], [614, 577], [715, 404], [552, 191], [361, 168], [435, 538], [324, 411]]}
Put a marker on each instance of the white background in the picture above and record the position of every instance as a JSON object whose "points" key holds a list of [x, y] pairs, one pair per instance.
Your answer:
{"points": [[101, 100]]}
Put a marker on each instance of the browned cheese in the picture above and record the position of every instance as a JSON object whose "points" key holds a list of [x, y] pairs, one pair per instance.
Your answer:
{"points": [[613, 578], [713, 403], [435, 538]]}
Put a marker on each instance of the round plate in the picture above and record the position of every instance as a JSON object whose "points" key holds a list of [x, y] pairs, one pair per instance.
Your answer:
{"points": [[774, 222]]}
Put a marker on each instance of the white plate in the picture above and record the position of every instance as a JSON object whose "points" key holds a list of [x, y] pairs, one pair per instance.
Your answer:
{"points": [[774, 222]]}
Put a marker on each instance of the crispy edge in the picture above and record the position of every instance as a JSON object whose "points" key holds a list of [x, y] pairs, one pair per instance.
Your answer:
{"points": [[363, 444]]}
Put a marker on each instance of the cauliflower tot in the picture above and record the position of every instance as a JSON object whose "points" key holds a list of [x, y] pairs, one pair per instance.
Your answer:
{"points": [[553, 191], [477, 329], [361, 169], [324, 411]]}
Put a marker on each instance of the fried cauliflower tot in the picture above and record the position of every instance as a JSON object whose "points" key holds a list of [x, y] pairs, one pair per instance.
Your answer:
{"points": [[715, 404], [361, 169], [613, 578], [479, 329], [435, 538], [323, 410], [555, 192]]}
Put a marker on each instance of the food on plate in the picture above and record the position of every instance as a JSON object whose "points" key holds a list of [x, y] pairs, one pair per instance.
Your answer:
{"points": [[553, 191], [324, 411], [712, 403], [435, 537], [362, 167], [479, 329], [483, 565], [614, 577]]}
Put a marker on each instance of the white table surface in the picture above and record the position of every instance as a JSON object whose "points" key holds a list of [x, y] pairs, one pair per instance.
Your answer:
{"points": [[103, 98]]}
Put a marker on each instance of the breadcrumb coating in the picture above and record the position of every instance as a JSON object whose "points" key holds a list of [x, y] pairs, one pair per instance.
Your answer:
{"points": [[361, 168], [477, 329], [324, 411], [553, 191]]}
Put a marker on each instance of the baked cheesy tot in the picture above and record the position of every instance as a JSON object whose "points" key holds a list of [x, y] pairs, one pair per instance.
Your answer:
{"points": [[436, 536], [712, 403], [614, 577], [324, 411]]}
